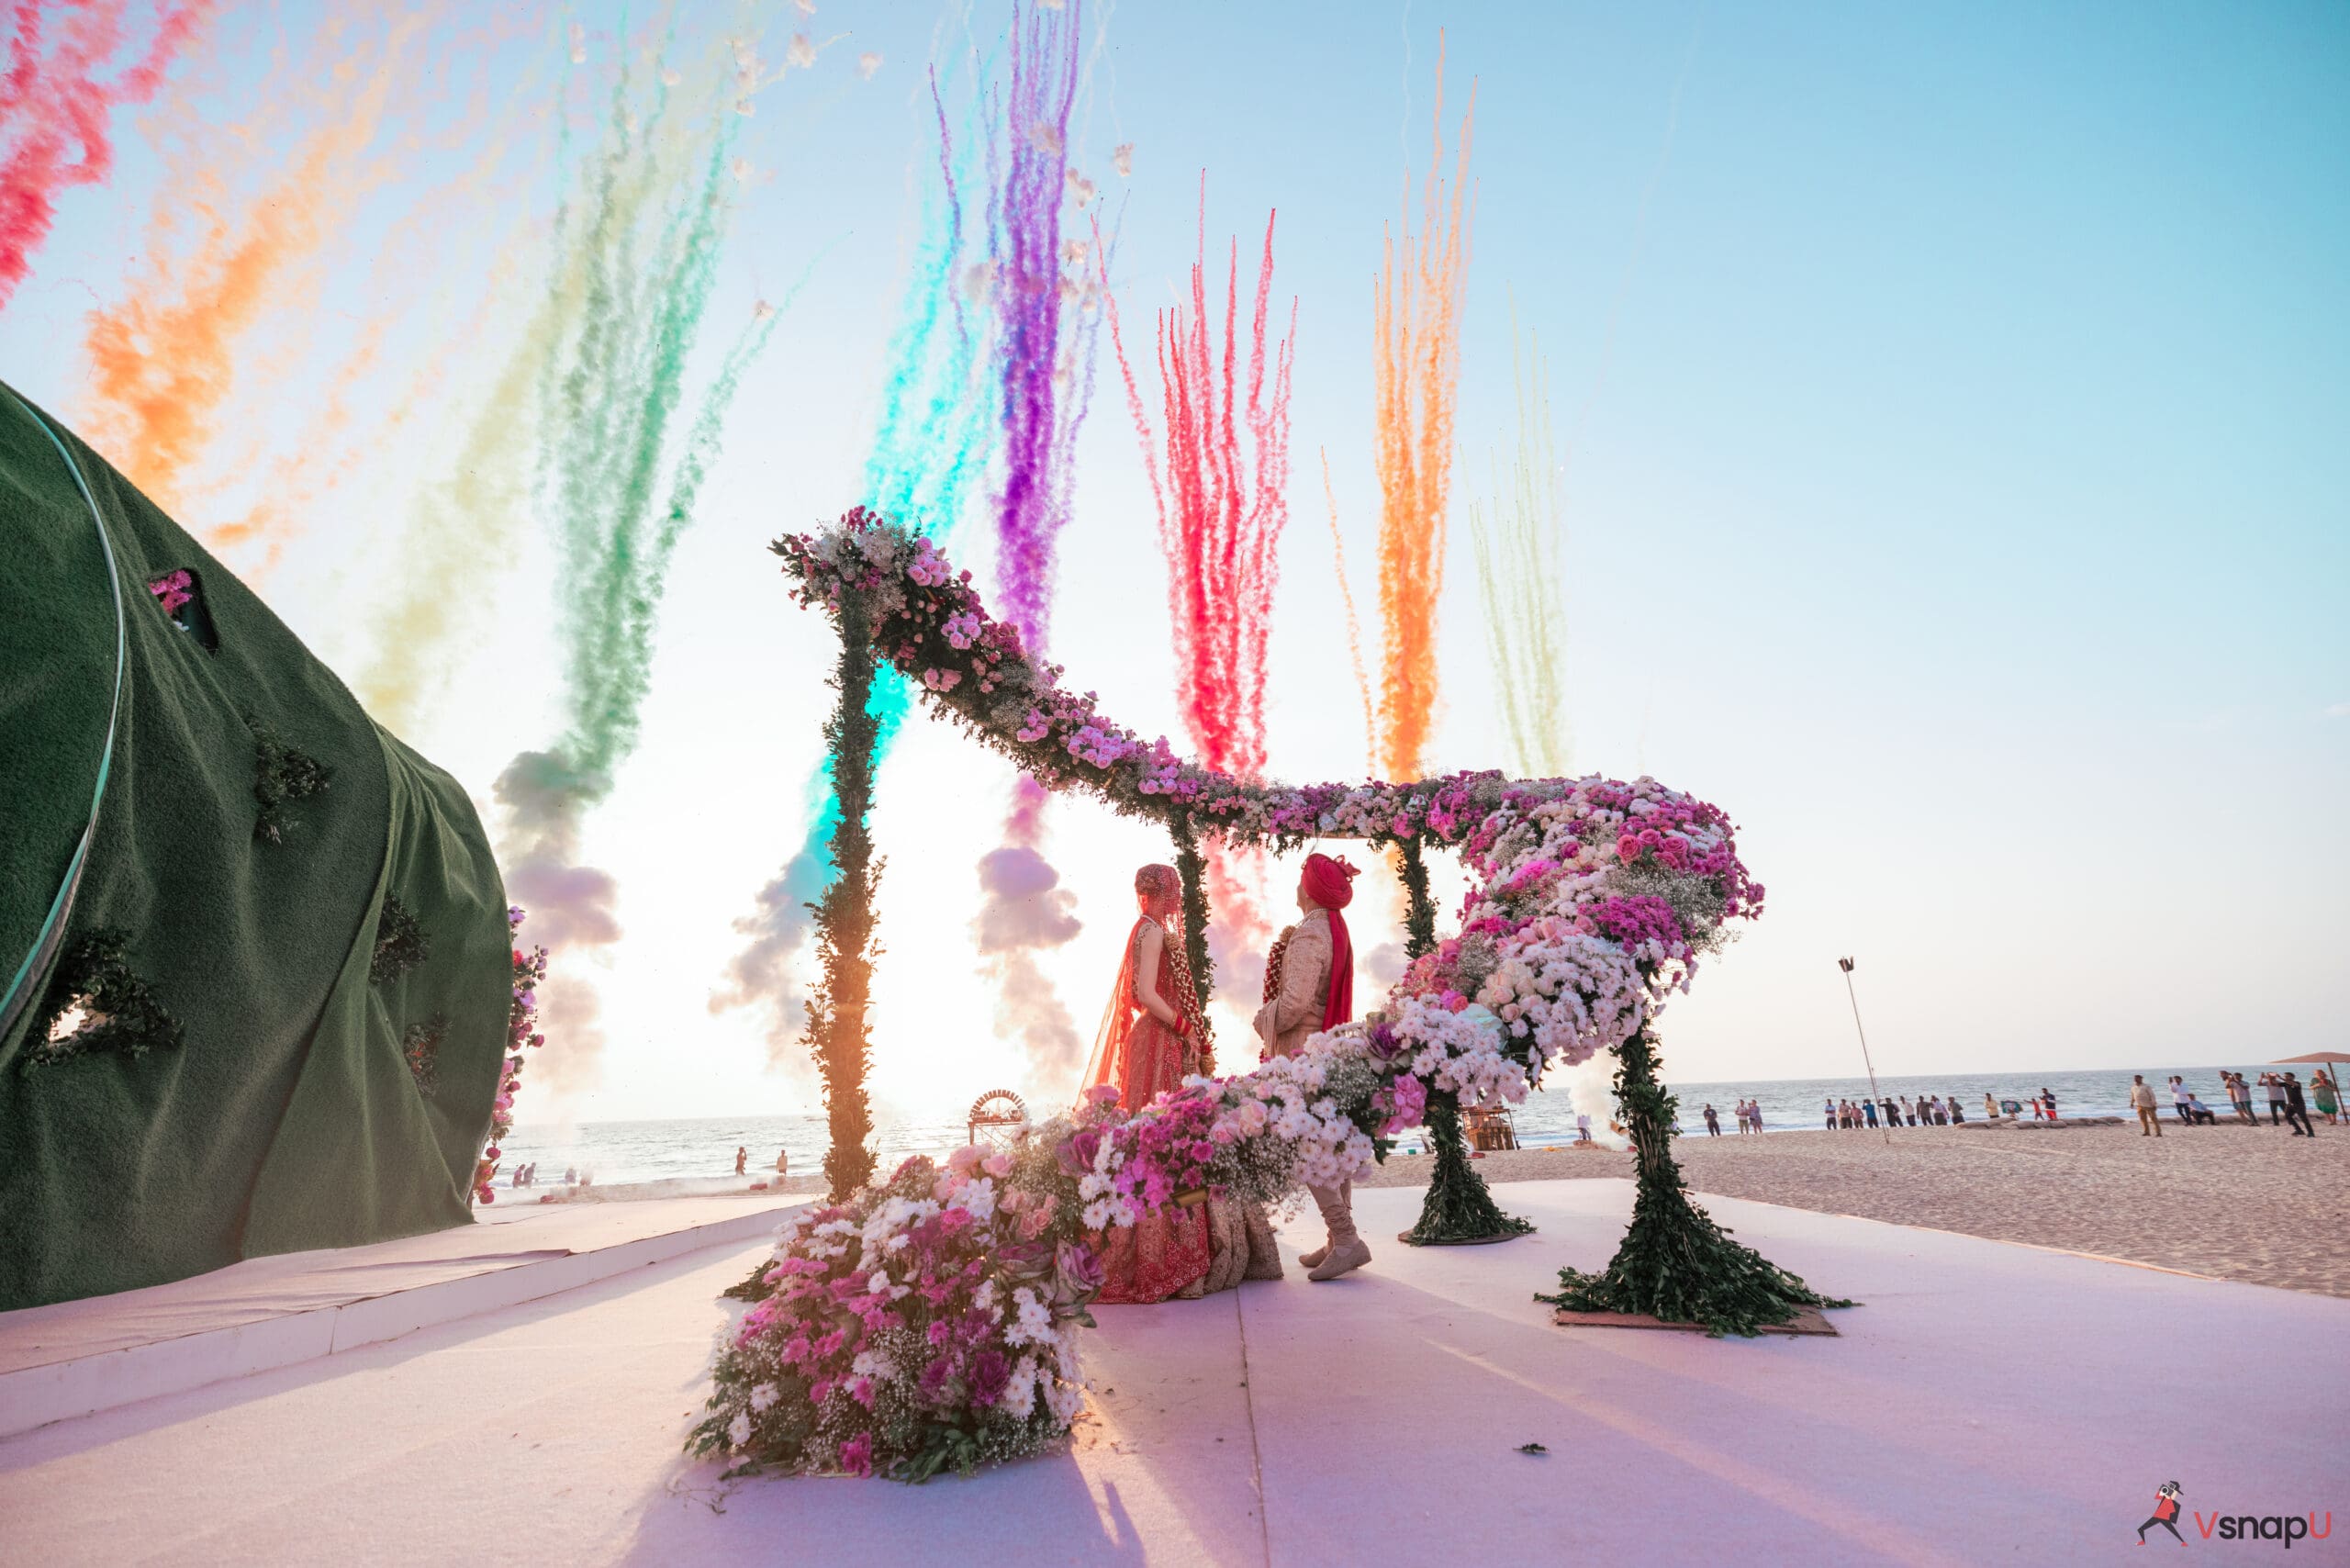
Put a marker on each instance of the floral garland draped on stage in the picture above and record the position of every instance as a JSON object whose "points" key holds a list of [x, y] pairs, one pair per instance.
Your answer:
{"points": [[928, 1321]]}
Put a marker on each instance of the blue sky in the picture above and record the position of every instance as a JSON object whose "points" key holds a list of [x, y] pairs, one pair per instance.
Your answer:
{"points": [[1953, 400]]}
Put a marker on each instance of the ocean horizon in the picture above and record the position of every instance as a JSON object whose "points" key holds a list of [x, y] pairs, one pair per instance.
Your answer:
{"points": [[628, 1151]]}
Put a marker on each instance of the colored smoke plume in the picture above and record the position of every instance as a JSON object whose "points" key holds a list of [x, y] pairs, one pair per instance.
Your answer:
{"points": [[1590, 1087], [55, 115], [1036, 363], [1024, 910], [1417, 307], [1045, 364], [610, 396], [935, 433], [164, 360], [1220, 522], [1517, 540]]}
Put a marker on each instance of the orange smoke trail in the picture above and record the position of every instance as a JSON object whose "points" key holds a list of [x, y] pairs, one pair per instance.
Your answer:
{"points": [[329, 451], [1418, 304], [163, 362]]}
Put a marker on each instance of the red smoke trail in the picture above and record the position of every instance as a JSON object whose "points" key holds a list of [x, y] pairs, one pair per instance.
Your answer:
{"points": [[54, 113], [1220, 521]]}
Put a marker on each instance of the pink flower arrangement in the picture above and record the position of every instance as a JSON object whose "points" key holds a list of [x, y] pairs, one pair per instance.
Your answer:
{"points": [[521, 1035]]}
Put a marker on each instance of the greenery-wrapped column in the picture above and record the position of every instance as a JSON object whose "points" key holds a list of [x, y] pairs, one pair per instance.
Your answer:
{"points": [[1191, 867], [844, 919], [1675, 1263], [1459, 1208]]}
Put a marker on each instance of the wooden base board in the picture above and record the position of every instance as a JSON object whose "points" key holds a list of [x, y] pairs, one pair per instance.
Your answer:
{"points": [[1808, 1320]]}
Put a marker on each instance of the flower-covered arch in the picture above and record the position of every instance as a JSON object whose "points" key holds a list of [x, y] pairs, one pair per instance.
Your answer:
{"points": [[929, 1319]]}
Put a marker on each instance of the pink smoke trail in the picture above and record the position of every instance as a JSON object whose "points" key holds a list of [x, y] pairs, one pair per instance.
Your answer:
{"points": [[1220, 522], [54, 112]]}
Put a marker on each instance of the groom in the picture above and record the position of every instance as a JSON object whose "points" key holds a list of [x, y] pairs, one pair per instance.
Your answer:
{"points": [[1310, 987]]}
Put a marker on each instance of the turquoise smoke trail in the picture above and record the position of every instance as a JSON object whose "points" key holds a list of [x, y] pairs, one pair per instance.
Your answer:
{"points": [[930, 451]]}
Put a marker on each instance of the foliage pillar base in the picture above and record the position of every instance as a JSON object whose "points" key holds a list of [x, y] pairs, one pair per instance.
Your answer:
{"points": [[1675, 1263], [1459, 1209]]}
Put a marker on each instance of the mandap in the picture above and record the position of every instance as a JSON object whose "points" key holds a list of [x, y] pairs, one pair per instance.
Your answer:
{"points": [[930, 1319]]}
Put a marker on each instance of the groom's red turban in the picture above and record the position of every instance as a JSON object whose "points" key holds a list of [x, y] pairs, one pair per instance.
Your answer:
{"points": [[1330, 883]]}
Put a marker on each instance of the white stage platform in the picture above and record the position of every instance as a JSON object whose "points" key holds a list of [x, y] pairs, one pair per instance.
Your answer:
{"points": [[82, 1356], [1987, 1403]]}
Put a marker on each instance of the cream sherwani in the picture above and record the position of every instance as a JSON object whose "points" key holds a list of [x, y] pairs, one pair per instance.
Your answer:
{"points": [[1285, 1024], [1295, 1012]]}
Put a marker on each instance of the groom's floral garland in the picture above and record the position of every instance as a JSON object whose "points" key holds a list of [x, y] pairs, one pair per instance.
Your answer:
{"points": [[928, 1322]]}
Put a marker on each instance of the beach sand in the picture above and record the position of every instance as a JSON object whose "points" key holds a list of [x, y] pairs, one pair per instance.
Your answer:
{"points": [[2232, 1202]]}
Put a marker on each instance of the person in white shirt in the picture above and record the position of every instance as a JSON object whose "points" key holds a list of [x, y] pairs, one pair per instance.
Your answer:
{"points": [[2142, 1099]]}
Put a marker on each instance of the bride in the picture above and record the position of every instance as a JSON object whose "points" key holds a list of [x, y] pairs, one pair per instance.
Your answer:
{"points": [[1152, 1033]]}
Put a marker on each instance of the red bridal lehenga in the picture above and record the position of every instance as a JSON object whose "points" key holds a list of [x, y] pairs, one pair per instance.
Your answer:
{"points": [[1178, 1253]]}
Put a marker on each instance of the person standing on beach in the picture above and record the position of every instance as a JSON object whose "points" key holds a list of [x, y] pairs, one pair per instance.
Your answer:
{"points": [[2275, 1087], [1713, 1121], [1990, 1107], [2240, 1093], [2178, 1098], [1832, 1116], [2050, 1095], [2142, 1099], [783, 1162], [2297, 1110], [2328, 1099], [741, 1160]]}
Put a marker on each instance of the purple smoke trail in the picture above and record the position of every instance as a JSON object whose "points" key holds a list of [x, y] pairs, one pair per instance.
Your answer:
{"points": [[1046, 373], [1026, 250]]}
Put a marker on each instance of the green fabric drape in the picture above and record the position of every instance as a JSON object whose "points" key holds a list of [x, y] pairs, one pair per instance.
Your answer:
{"points": [[288, 1117]]}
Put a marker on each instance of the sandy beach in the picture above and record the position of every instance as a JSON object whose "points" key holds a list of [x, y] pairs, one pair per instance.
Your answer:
{"points": [[2232, 1202]]}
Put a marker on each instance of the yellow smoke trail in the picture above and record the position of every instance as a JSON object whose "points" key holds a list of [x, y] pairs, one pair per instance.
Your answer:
{"points": [[466, 519], [1516, 535], [1354, 622], [163, 362], [1417, 306]]}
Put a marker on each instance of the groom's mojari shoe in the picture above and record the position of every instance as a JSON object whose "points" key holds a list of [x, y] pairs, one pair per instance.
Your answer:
{"points": [[1345, 1258], [1346, 1250], [1314, 1260]]}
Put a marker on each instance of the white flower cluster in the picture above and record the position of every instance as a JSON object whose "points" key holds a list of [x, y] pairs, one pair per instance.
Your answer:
{"points": [[1577, 993], [1460, 1052], [1286, 1097]]}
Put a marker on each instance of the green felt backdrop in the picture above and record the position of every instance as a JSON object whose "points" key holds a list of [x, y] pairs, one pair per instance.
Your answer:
{"points": [[287, 1118]]}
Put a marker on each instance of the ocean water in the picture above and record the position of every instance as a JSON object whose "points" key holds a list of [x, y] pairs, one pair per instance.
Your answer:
{"points": [[628, 1152]]}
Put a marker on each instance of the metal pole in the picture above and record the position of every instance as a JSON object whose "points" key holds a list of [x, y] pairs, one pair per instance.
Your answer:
{"points": [[1846, 965]]}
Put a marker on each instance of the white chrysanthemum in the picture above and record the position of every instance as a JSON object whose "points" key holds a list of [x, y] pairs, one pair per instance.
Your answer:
{"points": [[764, 1397], [738, 1430], [976, 1199]]}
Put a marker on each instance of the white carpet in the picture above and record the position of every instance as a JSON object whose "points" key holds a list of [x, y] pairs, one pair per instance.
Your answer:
{"points": [[1987, 1402]]}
